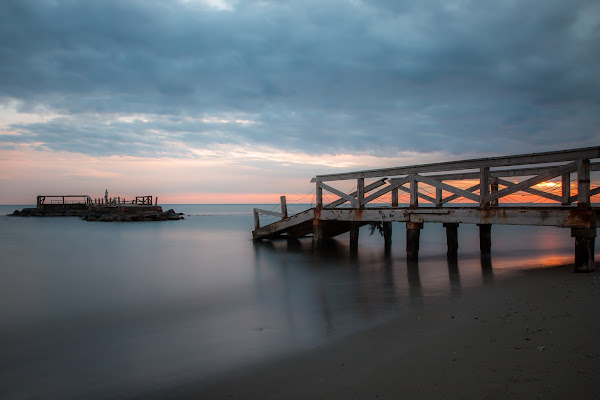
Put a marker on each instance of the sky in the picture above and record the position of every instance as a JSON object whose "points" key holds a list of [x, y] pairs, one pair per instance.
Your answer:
{"points": [[241, 101]]}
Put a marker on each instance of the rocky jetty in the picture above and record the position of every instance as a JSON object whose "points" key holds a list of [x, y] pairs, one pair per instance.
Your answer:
{"points": [[105, 214], [56, 212]]}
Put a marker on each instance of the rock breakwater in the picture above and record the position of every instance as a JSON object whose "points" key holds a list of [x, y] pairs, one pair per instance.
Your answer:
{"points": [[105, 214]]}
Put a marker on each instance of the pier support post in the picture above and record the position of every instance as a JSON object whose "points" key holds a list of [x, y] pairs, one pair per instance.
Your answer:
{"points": [[317, 233], [413, 234], [566, 189], [354, 228], [284, 211], [494, 188], [585, 240], [452, 239], [484, 187], [414, 191], [485, 238], [256, 226], [319, 195], [360, 192], [256, 220], [387, 236]]}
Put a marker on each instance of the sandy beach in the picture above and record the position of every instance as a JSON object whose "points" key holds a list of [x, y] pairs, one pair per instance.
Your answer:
{"points": [[534, 335]]}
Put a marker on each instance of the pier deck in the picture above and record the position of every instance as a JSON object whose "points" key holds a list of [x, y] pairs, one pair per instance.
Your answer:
{"points": [[559, 179]]}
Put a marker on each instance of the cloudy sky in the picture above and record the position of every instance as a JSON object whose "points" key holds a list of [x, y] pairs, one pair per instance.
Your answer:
{"points": [[203, 101]]}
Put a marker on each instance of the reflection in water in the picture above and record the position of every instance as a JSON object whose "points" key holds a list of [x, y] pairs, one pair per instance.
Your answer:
{"points": [[331, 290], [486, 268], [413, 278], [325, 309], [294, 245], [454, 275], [353, 287]]}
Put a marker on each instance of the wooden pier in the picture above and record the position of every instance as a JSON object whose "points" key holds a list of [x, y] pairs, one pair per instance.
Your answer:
{"points": [[486, 183]]}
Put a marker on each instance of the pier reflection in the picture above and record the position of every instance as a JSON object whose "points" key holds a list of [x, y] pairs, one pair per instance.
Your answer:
{"points": [[454, 276], [332, 290], [413, 277], [487, 271]]}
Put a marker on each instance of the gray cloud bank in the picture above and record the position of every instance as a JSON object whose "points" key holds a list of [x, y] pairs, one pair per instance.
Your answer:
{"points": [[364, 77]]}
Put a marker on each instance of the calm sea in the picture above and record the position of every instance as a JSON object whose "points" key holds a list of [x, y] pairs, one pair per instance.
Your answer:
{"points": [[113, 310]]}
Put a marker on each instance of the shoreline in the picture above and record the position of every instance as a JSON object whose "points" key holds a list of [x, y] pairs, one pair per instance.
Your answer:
{"points": [[531, 335]]}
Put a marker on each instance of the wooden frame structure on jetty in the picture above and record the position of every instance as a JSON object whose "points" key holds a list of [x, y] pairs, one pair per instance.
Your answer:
{"points": [[78, 202], [490, 178], [81, 200]]}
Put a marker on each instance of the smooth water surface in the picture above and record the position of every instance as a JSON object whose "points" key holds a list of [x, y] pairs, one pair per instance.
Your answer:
{"points": [[113, 310]]}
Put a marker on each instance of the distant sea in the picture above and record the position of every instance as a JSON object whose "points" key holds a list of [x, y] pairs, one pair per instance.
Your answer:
{"points": [[92, 310]]}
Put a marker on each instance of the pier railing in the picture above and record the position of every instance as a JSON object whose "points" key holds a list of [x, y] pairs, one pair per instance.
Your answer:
{"points": [[283, 214], [489, 178]]}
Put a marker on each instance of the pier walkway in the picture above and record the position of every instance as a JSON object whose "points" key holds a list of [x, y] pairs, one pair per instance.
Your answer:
{"points": [[557, 186]]}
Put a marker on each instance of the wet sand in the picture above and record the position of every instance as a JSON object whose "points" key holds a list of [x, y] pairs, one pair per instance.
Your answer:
{"points": [[534, 335]]}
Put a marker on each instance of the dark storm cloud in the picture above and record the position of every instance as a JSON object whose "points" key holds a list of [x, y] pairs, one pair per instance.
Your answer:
{"points": [[325, 76]]}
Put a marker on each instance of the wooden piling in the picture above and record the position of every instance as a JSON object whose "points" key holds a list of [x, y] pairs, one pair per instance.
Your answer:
{"points": [[354, 229], [413, 234], [452, 239], [585, 240], [485, 238], [317, 233], [387, 236]]}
